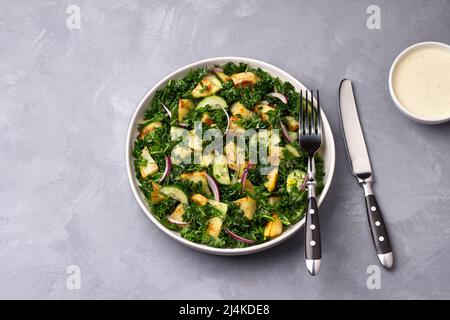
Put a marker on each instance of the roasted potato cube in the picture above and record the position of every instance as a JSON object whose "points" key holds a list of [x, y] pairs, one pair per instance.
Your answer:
{"points": [[150, 168], [234, 158], [247, 205], [277, 227], [244, 79], [214, 227], [273, 228], [199, 199], [292, 124], [248, 186], [149, 128], [241, 168], [206, 119], [272, 177], [155, 196], [197, 177], [178, 213], [263, 109], [222, 76], [235, 128], [184, 107], [239, 109]]}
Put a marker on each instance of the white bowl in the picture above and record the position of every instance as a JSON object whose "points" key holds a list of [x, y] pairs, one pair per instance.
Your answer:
{"points": [[327, 151], [391, 87]]}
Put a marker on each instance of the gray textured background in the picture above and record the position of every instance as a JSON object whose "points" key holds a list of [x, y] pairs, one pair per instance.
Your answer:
{"points": [[67, 97]]}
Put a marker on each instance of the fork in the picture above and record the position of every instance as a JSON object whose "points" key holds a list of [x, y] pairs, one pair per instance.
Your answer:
{"points": [[310, 138]]}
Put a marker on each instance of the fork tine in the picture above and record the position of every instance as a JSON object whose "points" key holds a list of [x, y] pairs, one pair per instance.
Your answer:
{"points": [[307, 116], [300, 118], [313, 114], [319, 120]]}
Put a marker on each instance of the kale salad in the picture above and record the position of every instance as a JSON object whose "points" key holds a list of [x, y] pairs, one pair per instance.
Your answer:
{"points": [[230, 197]]}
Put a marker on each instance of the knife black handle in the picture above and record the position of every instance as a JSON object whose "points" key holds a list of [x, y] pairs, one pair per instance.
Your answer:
{"points": [[313, 251], [378, 230]]}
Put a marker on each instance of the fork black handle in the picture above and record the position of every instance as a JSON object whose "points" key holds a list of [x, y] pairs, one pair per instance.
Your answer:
{"points": [[310, 138], [313, 251]]}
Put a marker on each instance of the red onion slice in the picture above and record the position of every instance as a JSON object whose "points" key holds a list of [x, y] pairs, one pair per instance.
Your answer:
{"points": [[228, 120], [214, 187], [167, 169], [279, 96], [244, 175], [167, 111], [305, 181], [178, 223], [217, 69], [238, 238], [285, 133]]}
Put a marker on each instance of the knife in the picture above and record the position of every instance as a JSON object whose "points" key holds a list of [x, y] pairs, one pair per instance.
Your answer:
{"points": [[360, 163]]}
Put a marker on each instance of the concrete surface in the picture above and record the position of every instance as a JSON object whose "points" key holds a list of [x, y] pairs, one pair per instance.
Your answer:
{"points": [[67, 97]]}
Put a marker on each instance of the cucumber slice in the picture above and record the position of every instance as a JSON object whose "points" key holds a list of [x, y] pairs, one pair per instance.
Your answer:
{"points": [[215, 102], [293, 136], [220, 170], [274, 138], [177, 132], [295, 179], [207, 159], [222, 207], [194, 141], [207, 87], [293, 150], [174, 193]]}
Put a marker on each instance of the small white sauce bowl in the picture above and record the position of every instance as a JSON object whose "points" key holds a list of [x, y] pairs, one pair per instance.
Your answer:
{"points": [[404, 53]]}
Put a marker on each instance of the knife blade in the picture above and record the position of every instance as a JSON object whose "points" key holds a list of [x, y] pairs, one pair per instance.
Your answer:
{"points": [[361, 168]]}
